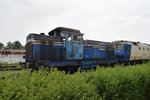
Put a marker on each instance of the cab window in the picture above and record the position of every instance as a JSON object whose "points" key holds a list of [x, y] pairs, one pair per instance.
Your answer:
{"points": [[77, 38], [69, 38], [119, 47]]}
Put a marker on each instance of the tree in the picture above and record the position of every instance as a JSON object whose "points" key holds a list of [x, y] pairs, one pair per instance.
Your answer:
{"points": [[9, 45], [17, 45], [23, 47], [14, 45], [1, 45]]}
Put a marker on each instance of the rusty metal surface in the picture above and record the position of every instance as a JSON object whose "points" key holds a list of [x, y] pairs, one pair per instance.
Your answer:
{"points": [[131, 43], [43, 37], [29, 50], [95, 42]]}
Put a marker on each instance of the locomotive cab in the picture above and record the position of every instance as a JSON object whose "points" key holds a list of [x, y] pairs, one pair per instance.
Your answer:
{"points": [[72, 42], [122, 51]]}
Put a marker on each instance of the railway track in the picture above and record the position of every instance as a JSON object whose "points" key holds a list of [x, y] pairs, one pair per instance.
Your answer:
{"points": [[11, 68]]}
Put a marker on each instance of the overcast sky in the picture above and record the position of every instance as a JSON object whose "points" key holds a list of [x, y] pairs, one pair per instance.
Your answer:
{"points": [[103, 20]]}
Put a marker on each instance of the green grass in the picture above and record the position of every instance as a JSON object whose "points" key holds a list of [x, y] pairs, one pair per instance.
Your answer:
{"points": [[119, 83], [8, 72], [9, 65]]}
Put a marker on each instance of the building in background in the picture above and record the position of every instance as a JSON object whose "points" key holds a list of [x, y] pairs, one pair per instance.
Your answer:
{"points": [[12, 55]]}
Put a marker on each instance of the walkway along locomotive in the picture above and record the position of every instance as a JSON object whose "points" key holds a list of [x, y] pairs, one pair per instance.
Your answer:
{"points": [[65, 48]]}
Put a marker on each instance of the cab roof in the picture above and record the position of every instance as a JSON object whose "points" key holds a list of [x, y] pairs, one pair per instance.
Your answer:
{"points": [[66, 30]]}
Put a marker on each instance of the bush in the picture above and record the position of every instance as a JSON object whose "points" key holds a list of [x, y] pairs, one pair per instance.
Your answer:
{"points": [[119, 83]]}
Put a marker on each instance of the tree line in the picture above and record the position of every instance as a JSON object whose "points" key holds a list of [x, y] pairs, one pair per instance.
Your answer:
{"points": [[12, 45]]}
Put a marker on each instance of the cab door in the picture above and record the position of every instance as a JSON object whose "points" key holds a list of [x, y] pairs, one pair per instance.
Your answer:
{"points": [[74, 47]]}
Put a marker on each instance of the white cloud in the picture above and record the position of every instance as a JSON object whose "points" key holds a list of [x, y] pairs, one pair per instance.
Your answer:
{"points": [[104, 20]]}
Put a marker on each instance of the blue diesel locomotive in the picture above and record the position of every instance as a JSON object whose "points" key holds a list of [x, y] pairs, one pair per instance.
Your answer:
{"points": [[65, 48]]}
